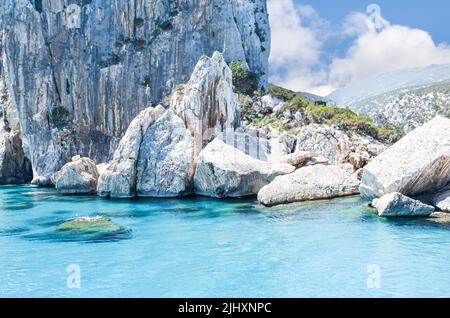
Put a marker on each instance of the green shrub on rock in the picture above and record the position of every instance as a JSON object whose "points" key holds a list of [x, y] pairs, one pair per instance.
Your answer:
{"points": [[60, 117], [244, 80], [347, 120], [280, 92]]}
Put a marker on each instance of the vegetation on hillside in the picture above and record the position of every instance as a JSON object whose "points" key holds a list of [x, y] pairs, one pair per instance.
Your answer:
{"points": [[318, 112]]}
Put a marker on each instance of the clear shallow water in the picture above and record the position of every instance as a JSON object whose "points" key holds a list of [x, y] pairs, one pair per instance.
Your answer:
{"points": [[207, 248]]}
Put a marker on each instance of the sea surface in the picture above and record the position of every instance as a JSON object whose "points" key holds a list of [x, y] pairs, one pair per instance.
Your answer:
{"points": [[198, 247]]}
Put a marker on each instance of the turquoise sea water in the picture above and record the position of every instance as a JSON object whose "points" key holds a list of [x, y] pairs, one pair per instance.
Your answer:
{"points": [[198, 247]]}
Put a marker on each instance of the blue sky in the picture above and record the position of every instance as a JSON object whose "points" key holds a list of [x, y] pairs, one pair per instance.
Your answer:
{"points": [[430, 15], [320, 45]]}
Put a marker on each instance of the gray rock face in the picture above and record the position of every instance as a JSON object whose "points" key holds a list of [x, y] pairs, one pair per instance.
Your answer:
{"points": [[80, 71], [418, 163], [14, 166], [310, 183], [8, 115], [396, 205], [118, 179], [207, 103], [77, 177], [166, 159], [235, 165]]}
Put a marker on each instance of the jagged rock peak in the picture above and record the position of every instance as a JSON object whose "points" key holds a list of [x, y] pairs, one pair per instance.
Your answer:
{"points": [[207, 103]]}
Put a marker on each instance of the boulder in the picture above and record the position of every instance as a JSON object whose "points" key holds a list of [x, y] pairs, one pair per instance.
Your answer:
{"points": [[166, 159], [289, 141], [207, 103], [440, 216], [119, 178], [15, 168], [42, 182], [77, 177], [442, 200], [280, 108], [235, 165], [296, 159], [268, 102], [396, 205], [310, 183], [418, 163], [155, 158], [319, 160]]}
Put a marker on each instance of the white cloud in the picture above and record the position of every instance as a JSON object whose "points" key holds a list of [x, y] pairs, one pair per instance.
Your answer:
{"points": [[299, 35], [392, 47], [296, 49]]}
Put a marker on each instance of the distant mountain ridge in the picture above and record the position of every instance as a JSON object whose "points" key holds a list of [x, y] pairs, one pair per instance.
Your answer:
{"points": [[386, 82], [316, 98], [406, 98]]}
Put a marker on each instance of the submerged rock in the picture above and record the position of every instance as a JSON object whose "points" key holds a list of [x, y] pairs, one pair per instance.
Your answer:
{"points": [[235, 165], [97, 224], [207, 103], [166, 159], [396, 205], [77, 177], [310, 183], [418, 163], [15, 168]]}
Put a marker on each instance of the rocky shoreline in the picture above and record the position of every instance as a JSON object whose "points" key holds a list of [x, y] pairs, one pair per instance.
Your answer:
{"points": [[196, 144]]}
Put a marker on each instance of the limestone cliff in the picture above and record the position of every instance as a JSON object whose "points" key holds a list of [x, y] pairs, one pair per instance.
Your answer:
{"points": [[80, 70]]}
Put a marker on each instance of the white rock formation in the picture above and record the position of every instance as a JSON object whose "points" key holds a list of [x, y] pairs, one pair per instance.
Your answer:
{"points": [[77, 177], [396, 204], [166, 159], [119, 178], [207, 103], [310, 183], [418, 163], [235, 165], [154, 159]]}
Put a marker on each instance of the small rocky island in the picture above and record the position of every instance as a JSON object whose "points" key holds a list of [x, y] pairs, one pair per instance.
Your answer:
{"points": [[162, 109]]}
